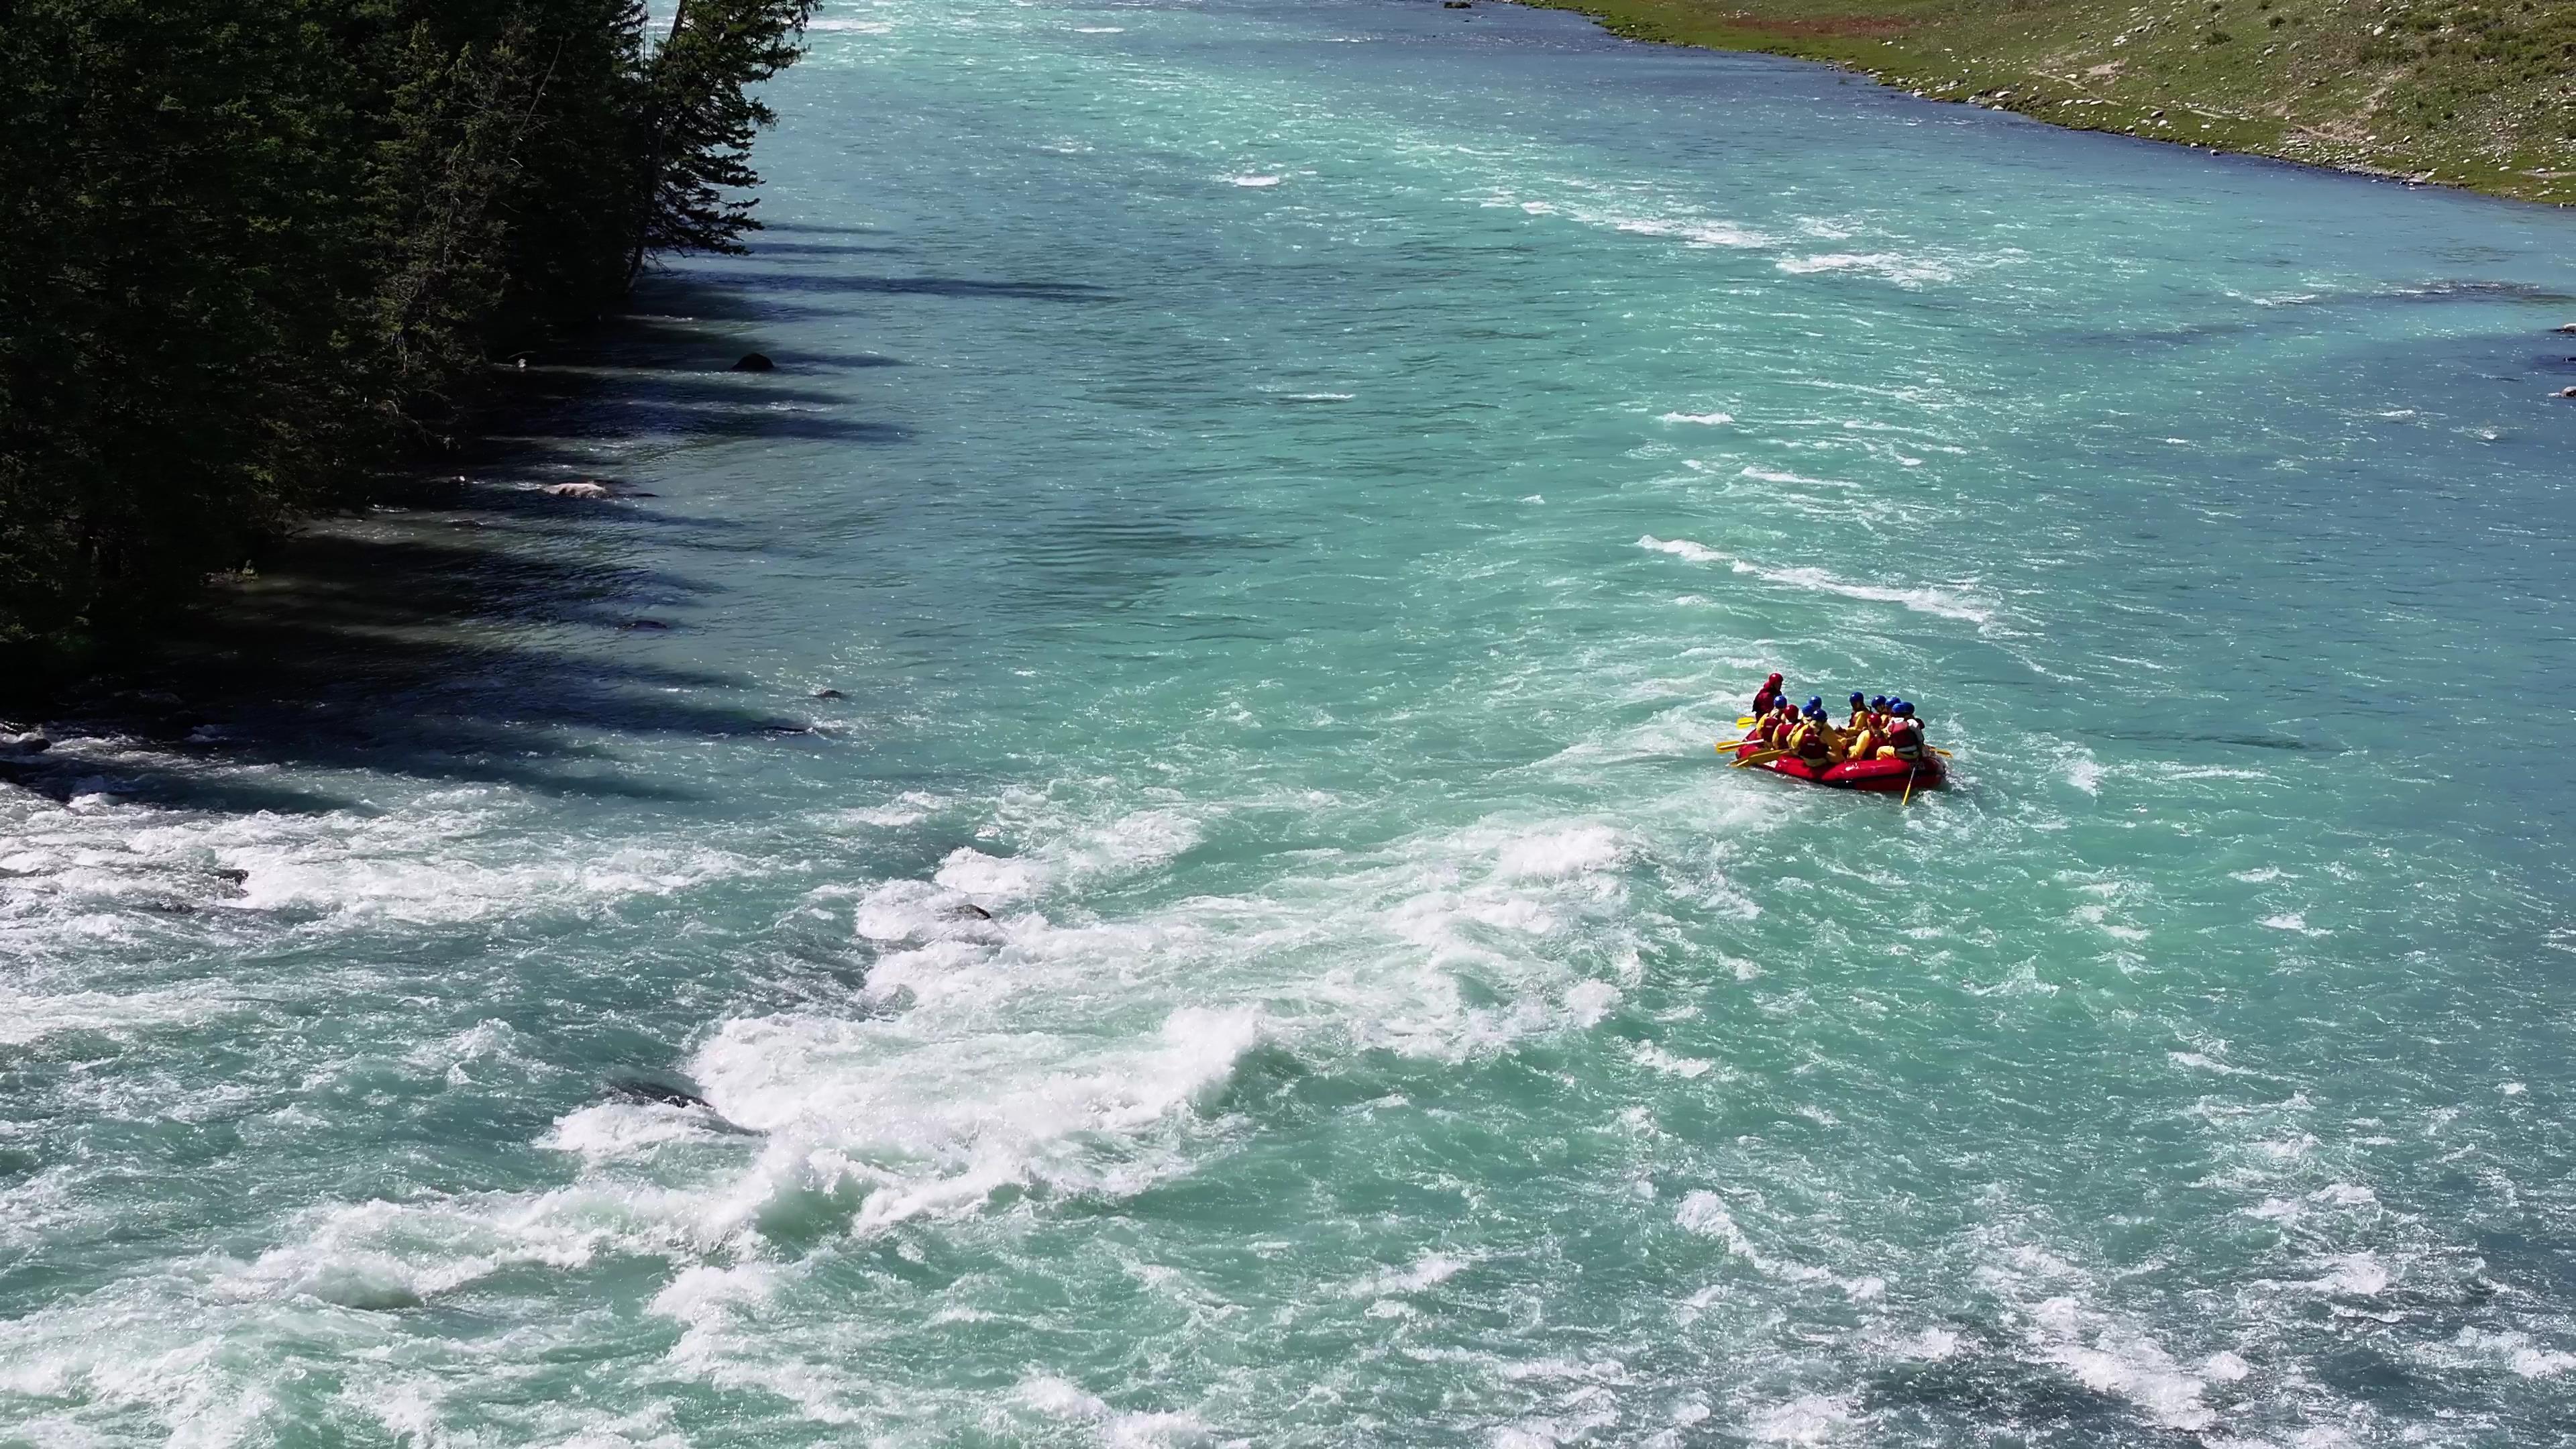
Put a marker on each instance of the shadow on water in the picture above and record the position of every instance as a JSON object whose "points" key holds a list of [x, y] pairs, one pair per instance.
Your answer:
{"points": [[910, 286], [480, 632], [822, 249]]}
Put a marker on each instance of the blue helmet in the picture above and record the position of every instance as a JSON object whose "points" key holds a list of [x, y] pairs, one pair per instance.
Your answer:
{"points": [[1876, 701], [1815, 701], [1902, 709]]}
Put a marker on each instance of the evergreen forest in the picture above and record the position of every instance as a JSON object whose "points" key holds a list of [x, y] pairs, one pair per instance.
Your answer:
{"points": [[257, 251]]}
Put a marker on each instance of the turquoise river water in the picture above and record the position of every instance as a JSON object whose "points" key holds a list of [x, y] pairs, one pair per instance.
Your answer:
{"points": [[1287, 496]]}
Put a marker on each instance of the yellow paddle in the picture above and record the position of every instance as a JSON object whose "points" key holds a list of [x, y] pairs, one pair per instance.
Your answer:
{"points": [[1759, 757], [1908, 797]]}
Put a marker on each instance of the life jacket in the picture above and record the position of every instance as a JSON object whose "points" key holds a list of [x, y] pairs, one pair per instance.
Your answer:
{"points": [[1767, 697], [1810, 742], [1906, 736]]}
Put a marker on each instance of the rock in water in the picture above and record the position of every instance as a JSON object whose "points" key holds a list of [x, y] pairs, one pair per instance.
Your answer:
{"points": [[829, 694], [754, 362], [584, 489], [661, 1092]]}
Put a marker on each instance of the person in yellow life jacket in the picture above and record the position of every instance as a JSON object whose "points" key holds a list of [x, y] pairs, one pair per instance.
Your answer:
{"points": [[1868, 727], [1771, 732], [1813, 739]]}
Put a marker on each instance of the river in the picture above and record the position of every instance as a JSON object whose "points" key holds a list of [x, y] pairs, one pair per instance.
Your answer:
{"points": [[1170, 815]]}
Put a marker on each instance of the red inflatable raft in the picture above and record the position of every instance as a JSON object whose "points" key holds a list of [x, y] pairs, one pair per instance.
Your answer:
{"points": [[1887, 775]]}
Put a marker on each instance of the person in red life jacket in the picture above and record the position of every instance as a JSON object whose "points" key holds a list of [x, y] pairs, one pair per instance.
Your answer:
{"points": [[1765, 725], [1769, 695], [1904, 734], [1777, 724]]}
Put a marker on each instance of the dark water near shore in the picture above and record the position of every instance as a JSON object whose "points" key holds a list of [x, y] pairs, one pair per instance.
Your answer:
{"points": [[1259, 948]]}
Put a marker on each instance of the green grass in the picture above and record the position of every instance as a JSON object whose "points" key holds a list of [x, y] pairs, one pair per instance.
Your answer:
{"points": [[2475, 95]]}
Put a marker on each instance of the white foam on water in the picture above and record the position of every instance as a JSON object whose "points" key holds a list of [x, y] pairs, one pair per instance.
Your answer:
{"points": [[869, 1111], [1931, 1345], [1655, 1058], [2084, 772], [2509, 1349], [1704, 1214], [25, 1018], [2292, 921], [2111, 1359], [1256, 180], [971, 872], [625, 1129], [1428, 1271], [1905, 271], [1682, 548], [1589, 1003], [1710, 419], [2354, 1275], [1774, 475], [1949, 604], [1555, 855], [1807, 1419], [1137, 841], [399, 870], [1582, 203], [1058, 1399], [910, 808]]}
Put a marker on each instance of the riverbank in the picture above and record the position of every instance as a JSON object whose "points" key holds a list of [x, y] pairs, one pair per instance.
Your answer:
{"points": [[2432, 93]]}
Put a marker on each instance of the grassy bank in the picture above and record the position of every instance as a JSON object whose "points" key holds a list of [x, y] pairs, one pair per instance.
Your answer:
{"points": [[2475, 95]]}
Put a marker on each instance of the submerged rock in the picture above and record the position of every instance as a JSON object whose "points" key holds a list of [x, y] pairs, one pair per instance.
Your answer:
{"points": [[754, 362], [585, 489], [829, 694], [2565, 392], [643, 624]]}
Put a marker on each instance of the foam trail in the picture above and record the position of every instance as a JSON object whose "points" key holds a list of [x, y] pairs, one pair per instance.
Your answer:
{"points": [[1942, 602]]}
